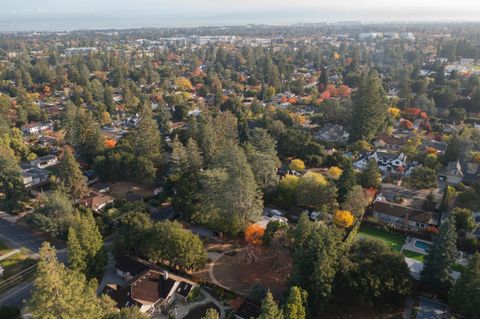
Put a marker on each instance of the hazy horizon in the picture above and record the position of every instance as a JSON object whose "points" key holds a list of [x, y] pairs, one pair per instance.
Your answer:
{"points": [[110, 14]]}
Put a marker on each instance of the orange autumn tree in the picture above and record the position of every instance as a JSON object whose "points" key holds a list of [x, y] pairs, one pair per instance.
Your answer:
{"points": [[254, 234], [343, 218], [109, 143]]}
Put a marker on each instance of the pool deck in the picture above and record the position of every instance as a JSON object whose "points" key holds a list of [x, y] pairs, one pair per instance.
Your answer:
{"points": [[410, 245]]}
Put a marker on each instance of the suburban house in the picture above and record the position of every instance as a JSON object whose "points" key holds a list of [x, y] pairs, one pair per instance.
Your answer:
{"points": [[387, 162], [96, 201], [332, 133], [460, 172], [33, 176], [452, 174], [45, 161], [389, 143], [150, 289], [471, 173], [36, 128], [403, 217]]}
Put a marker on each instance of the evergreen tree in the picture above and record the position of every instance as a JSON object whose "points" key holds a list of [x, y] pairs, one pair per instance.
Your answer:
{"points": [[440, 258], [262, 156], [76, 255], [369, 108], [315, 265], [87, 139], [11, 182], [371, 176], [61, 293], [72, 177], [230, 199], [85, 242], [129, 313], [295, 306], [270, 308], [346, 181], [464, 298], [323, 81]]}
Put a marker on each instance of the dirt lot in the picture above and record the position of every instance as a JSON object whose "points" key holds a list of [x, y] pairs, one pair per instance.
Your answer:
{"points": [[120, 190], [248, 265]]}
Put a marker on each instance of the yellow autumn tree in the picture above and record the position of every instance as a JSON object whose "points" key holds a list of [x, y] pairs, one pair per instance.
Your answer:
{"points": [[184, 84], [343, 218], [297, 165], [394, 112], [335, 172], [254, 234]]}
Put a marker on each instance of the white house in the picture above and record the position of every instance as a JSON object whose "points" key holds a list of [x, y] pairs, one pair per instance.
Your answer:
{"points": [[45, 161], [387, 162]]}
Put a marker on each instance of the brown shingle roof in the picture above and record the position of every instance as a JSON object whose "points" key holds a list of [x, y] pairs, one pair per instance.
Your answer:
{"points": [[404, 212]]}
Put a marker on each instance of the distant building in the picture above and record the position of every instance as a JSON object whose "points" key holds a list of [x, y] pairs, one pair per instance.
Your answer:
{"points": [[332, 133]]}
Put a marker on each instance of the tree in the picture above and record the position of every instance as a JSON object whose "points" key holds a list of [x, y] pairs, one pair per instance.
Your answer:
{"points": [[313, 190], [422, 178], [262, 156], [230, 199], [144, 140], [440, 258], [371, 177], [343, 218], [346, 181], [315, 264], [375, 274], [129, 313], [87, 139], [335, 172], [287, 188], [297, 165], [464, 297], [86, 253], [356, 201], [131, 232], [464, 219], [54, 214], [270, 309], [211, 314], [254, 234], [295, 305], [72, 177], [369, 108], [61, 293], [11, 183], [170, 242]]}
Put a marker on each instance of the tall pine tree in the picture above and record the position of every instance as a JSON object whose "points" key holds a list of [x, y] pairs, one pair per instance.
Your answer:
{"points": [[270, 309], [369, 108], [464, 298], [72, 177], [440, 258]]}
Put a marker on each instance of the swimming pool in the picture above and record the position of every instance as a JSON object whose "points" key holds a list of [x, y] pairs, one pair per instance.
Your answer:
{"points": [[421, 244]]}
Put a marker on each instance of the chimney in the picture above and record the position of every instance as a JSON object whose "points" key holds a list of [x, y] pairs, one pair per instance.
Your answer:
{"points": [[165, 275]]}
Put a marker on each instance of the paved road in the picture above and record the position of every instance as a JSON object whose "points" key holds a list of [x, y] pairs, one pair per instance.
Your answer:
{"points": [[18, 236]]}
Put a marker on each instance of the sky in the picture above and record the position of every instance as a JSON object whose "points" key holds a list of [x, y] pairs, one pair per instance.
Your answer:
{"points": [[91, 14]]}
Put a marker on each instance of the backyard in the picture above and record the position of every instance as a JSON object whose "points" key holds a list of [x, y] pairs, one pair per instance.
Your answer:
{"points": [[395, 241]]}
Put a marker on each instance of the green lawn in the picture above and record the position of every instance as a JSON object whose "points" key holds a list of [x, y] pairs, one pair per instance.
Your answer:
{"points": [[392, 240], [413, 255], [16, 263]]}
